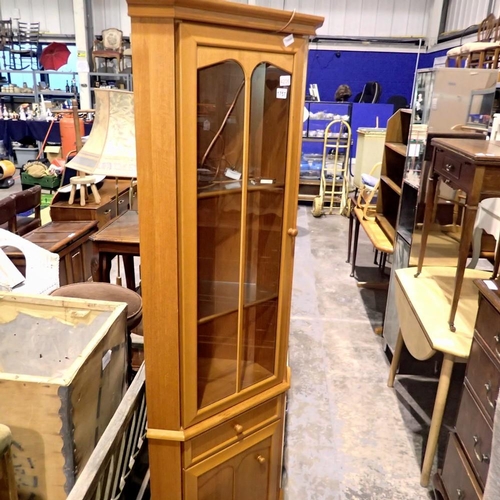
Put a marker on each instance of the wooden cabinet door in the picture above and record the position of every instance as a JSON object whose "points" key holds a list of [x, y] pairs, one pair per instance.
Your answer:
{"points": [[237, 192], [248, 470]]}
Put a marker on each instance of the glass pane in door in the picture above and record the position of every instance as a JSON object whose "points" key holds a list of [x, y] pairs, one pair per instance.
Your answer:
{"points": [[219, 152], [221, 102], [269, 107]]}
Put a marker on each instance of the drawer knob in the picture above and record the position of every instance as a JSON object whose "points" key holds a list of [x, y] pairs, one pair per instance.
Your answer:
{"points": [[487, 386], [238, 428], [497, 340], [261, 459], [460, 494], [293, 232], [449, 167], [120, 201], [107, 212], [481, 457]]}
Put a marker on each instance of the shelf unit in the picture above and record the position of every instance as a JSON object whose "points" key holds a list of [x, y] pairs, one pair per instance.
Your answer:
{"points": [[391, 177], [319, 115]]}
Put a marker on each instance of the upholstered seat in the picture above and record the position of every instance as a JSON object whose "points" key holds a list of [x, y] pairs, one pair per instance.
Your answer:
{"points": [[111, 47]]}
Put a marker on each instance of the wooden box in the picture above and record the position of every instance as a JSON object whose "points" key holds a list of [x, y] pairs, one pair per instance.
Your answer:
{"points": [[62, 376]]}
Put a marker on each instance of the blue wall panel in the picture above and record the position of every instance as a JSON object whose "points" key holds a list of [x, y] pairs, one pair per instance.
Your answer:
{"points": [[393, 70]]}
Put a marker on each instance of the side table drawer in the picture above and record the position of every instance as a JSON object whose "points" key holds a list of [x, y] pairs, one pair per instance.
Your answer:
{"points": [[483, 378], [458, 478], [447, 166], [488, 327], [105, 213], [475, 435]]}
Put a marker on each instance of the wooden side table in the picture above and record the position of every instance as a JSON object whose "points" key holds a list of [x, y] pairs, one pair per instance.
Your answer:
{"points": [[70, 240], [118, 237], [473, 167]]}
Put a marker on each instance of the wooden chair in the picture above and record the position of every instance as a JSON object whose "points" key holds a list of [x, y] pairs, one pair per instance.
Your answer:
{"points": [[25, 45], [109, 48], [8, 488], [27, 200], [475, 52], [8, 214]]}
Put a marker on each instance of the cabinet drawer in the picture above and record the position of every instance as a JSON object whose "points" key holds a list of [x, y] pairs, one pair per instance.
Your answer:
{"points": [[231, 431], [447, 166], [483, 378], [458, 478], [488, 327], [475, 435], [123, 200], [106, 213]]}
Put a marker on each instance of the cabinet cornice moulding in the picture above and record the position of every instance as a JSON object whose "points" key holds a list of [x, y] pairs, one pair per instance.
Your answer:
{"points": [[227, 14]]}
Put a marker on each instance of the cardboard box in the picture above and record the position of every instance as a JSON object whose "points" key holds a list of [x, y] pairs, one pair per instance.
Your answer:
{"points": [[62, 376]]}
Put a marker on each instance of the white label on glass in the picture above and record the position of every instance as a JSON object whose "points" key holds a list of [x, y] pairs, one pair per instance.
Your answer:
{"points": [[285, 81], [206, 125], [414, 150], [435, 103], [288, 40], [232, 174], [281, 93], [106, 359], [267, 181], [491, 285]]}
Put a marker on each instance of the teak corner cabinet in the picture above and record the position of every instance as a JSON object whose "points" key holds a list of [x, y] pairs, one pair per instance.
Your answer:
{"points": [[219, 94]]}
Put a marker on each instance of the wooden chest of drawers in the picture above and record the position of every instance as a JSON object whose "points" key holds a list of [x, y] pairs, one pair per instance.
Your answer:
{"points": [[108, 209], [469, 450]]}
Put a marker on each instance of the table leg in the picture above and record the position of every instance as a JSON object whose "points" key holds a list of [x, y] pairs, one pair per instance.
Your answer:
{"points": [[355, 248], [103, 271], [476, 248], [430, 200], [463, 252], [128, 264], [349, 236], [437, 418], [396, 357]]}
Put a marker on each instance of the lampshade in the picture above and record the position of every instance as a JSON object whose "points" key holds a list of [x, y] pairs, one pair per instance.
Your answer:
{"points": [[110, 148]]}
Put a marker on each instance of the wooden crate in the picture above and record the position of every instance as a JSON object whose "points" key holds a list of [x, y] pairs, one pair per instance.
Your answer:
{"points": [[62, 376]]}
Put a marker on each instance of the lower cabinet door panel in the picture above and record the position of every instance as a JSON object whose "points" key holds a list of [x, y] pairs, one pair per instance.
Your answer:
{"points": [[248, 470]]}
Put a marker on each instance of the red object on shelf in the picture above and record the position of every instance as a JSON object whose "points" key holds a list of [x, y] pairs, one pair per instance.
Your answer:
{"points": [[54, 56]]}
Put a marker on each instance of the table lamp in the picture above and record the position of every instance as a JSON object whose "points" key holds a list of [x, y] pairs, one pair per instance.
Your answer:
{"points": [[110, 148]]}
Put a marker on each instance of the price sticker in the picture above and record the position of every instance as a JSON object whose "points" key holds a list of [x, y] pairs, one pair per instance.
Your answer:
{"points": [[281, 93]]}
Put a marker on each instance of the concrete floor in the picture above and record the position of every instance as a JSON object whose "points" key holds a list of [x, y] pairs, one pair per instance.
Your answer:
{"points": [[348, 436]]}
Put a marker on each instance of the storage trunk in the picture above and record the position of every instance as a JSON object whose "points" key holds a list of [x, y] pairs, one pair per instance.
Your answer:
{"points": [[62, 376]]}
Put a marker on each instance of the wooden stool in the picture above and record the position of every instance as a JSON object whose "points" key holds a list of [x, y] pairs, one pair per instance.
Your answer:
{"points": [[8, 488], [83, 182], [107, 291]]}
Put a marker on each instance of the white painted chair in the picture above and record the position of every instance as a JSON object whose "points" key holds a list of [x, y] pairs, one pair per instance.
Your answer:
{"points": [[42, 266], [488, 220]]}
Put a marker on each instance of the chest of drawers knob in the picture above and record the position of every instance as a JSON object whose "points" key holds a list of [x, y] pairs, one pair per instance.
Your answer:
{"points": [[487, 386], [497, 341], [449, 167], [481, 457]]}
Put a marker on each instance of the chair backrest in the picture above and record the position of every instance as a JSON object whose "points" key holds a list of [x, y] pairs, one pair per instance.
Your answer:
{"points": [[30, 199], [488, 29], [398, 101], [8, 213], [27, 34], [112, 39]]}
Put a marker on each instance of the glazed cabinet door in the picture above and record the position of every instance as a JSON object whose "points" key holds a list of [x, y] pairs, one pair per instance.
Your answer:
{"points": [[238, 194], [248, 470]]}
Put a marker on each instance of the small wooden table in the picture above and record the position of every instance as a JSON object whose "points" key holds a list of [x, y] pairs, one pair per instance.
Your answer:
{"points": [[70, 240], [118, 237], [474, 167], [422, 306]]}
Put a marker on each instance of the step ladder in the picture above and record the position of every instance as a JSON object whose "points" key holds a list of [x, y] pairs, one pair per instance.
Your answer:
{"points": [[335, 166]]}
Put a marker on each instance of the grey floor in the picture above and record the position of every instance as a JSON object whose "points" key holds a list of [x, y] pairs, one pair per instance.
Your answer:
{"points": [[348, 436]]}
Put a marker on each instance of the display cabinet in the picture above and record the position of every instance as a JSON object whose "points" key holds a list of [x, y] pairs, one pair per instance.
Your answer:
{"points": [[218, 130]]}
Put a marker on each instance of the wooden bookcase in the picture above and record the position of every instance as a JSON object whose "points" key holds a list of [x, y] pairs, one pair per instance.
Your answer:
{"points": [[218, 130], [392, 171]]}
